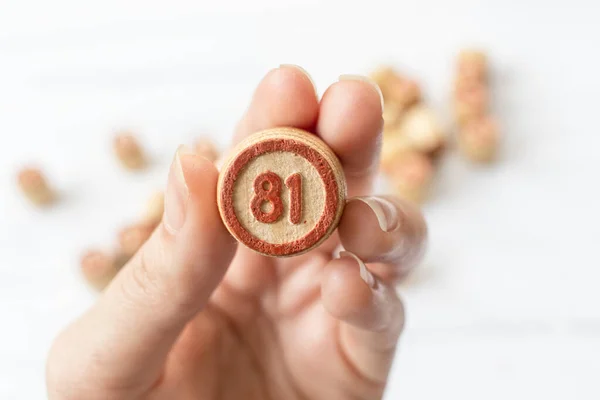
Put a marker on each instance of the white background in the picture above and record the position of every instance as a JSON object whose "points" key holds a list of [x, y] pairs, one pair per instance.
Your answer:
{"points": [[507, 302]]}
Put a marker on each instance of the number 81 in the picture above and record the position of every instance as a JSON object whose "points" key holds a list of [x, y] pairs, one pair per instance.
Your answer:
{"points": [[267, 189]]}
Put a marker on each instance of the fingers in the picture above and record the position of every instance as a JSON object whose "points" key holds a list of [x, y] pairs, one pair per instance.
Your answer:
{"points": [[348, 118], [350, 122], [123, 341], [370, 313], [384, 230], [286, 96]]}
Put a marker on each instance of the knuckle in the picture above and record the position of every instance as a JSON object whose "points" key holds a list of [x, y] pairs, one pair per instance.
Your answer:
{"points": [[150, 285], [143, 283]]}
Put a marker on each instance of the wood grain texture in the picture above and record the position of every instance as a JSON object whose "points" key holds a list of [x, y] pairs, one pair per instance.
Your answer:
{"points": [[291, 181]]}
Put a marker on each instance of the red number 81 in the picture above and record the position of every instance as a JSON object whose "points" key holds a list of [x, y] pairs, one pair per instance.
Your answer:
{"points": [[267, 189]]}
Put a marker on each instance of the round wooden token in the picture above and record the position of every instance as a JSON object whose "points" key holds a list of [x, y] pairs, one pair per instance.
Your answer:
{"points": [[281, 192]]}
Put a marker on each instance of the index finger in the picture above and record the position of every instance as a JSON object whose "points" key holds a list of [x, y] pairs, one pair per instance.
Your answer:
{"points": [[286, 96]]}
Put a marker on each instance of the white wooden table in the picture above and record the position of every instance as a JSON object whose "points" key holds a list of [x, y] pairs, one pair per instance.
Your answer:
{"points": [[507, 302]]}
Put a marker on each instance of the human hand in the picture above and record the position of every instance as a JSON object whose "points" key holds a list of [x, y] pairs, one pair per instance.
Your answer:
{"points": [[194, 316]]}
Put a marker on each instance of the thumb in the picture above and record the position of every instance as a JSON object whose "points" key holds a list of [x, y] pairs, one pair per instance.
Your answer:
{"points": [[125, 338]]}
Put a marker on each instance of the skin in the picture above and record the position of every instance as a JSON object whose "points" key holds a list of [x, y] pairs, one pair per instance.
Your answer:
{"points": [[193, 315]]}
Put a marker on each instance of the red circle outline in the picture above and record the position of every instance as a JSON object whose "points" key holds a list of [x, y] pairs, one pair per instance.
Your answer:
{"points": [[331, 196]]}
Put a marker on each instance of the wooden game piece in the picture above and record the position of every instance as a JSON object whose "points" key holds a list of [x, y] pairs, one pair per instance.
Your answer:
{"points": [[411, 175], [128, 151], [402, 91], [382, 75], [422, 130], [34, 186], [478, 134], [281, 192], [478, 140], [392, 114], [98, 268], [155, 208], [470, 102], [206, 148], [472, 64], [394, 145], [419, 130], [397, 89], [132, 237], [463, 84]]}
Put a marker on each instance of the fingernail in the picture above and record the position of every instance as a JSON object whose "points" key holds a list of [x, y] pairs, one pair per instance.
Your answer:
{"points": [[366, 79], [177, 194], [365, 274], [385, 211], [299, 68]]}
